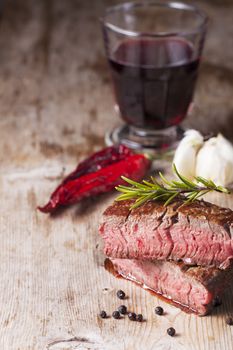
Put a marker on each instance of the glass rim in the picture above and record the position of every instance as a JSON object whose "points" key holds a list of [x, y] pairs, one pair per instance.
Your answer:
{"points": [[167, 4]]}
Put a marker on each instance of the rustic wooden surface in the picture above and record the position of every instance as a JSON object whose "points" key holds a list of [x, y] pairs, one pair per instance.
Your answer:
{"points": [[55, 106]]}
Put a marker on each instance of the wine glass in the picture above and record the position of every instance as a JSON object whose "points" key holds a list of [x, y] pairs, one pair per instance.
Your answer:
{"points": [[154, 50]]}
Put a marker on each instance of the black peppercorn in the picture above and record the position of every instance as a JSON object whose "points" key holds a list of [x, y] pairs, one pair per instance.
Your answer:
{"points": [[120, 294], [139, 318], [103, 314], [132, 316], [122, 309], [229, 321], [171, 331], [159, 310], [116, 315]]}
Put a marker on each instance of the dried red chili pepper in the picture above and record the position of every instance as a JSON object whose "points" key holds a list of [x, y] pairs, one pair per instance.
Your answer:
{"points": [[75, 187], [99, 160]]}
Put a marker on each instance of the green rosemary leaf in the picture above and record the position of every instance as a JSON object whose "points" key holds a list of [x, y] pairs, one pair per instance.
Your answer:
{"points": [[157, 184], [163, 178], [211, 183], [178, 184], [183, 178], [162, 195], [170, 199], [191, 196], [133, 183], [202, 193], [149, 184], [124, 197], [154, 181], [139, 202], [205, 182], [122, 188], [223, 189], [165, 190]]}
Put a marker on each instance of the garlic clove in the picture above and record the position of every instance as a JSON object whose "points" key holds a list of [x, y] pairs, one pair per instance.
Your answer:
{"points": [[225, 147], [186, 152], [215, 161]]}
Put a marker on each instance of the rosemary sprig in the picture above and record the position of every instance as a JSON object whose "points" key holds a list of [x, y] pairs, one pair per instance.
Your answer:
{"points": [[165, 190]]}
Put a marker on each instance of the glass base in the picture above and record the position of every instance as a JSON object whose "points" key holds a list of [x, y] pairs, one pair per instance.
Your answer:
{"points": [[159, 141]]}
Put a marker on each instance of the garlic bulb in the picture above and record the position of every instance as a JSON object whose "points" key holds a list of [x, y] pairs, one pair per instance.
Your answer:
{"points": [[215, 161], [186, 152]]}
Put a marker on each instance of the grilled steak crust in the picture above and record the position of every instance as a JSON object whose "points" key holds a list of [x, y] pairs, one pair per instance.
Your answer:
{"points": [[198, 233], [190, 288]]}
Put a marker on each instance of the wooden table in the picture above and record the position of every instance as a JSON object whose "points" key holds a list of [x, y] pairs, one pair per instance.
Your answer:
{"points": [[56, 104]]}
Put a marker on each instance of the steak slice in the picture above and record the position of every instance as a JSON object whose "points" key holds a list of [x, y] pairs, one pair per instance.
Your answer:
{"points": [[189, 288], [198, 233]]}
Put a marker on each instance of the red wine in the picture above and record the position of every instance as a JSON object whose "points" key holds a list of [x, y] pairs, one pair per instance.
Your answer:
{"points": [[154, 80]]}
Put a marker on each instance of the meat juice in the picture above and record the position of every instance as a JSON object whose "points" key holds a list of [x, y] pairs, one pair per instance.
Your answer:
{"points": [[154, 80]]}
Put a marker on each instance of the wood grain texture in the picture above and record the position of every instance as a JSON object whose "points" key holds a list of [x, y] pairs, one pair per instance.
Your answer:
{"points": [[56, 104]]}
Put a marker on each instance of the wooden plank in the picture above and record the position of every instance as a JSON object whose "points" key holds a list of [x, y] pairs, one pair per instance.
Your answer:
{"points": [[56, 105], [54, 284]]}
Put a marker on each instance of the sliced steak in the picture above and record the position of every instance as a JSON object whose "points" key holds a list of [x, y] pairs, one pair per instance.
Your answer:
{"points": [[198, 233], [190, 288]]}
